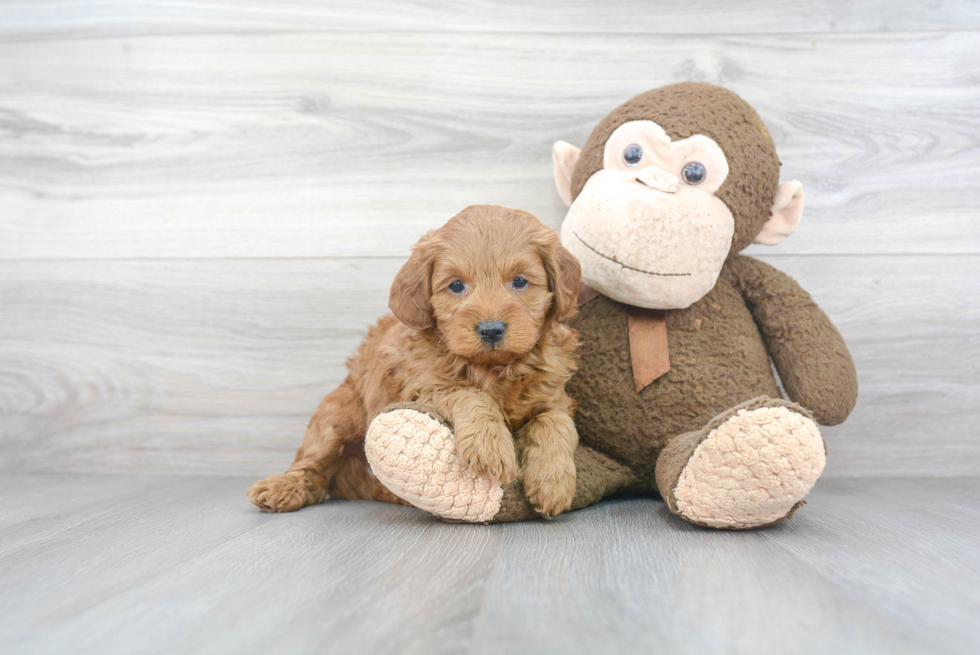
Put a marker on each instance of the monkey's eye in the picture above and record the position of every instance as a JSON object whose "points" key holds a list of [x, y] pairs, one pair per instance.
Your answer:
{"points": [[694, 173], [456, 286], [633, 154], [519, 283]]}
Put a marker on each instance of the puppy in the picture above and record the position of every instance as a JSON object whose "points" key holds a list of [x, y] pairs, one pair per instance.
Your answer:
{"points": [[477, 336]]}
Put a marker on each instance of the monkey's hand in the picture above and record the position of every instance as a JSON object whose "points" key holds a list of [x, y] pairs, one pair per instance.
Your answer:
{"points": [[813, 362]]}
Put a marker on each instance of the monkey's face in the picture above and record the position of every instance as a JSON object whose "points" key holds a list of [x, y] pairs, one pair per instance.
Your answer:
{"points": [[647, 228]]}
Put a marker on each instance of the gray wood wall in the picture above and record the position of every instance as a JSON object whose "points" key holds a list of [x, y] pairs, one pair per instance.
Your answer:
{"points": [[202, 204]]}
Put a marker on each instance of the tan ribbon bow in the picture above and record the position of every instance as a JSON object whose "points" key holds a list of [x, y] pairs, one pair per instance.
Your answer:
{"points": [[648, 340]]}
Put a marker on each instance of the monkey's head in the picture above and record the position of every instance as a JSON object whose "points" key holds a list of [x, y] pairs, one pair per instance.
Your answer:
{"points": [[668, 187]]}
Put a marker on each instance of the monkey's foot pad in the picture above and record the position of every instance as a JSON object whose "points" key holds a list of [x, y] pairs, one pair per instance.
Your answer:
{"points": [[413, 454], [752, 470]]}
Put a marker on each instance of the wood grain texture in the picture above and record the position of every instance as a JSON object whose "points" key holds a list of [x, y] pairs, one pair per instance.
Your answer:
{"points": [[202, 205], [317, 144], [120, 564], [215, 366], [80, 19]]}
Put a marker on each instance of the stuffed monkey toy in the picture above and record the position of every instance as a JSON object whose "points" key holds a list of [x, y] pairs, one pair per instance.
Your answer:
{"points": [[675, 391]]}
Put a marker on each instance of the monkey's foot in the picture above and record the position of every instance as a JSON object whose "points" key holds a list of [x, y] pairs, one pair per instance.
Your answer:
{"points": [[749, 467], [412, 451]]}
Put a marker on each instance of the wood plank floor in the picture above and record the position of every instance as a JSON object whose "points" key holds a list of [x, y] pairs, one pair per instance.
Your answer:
{"points": [[126, 564]]}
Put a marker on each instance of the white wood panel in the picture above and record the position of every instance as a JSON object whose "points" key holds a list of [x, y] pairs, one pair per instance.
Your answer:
{"points": [[126, 564], [347, 144], [216, 365], [26, 19]]}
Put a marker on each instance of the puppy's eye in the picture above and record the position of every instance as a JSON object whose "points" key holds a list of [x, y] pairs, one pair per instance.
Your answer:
{"points": [[633, 154], [519, 283], [694, 173], [456, 286]]}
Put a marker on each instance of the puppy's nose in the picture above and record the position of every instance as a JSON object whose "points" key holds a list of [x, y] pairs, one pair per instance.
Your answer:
{"points": [[491, 331]]}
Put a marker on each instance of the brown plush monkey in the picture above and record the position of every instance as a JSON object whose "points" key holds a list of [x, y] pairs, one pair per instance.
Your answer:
{"points": [[675, 389]]}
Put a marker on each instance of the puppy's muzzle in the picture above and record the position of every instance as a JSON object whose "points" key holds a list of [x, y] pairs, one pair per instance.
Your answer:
{"points": [[491, 331]]}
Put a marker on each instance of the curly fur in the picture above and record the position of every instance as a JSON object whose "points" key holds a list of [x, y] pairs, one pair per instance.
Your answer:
{"points": [[429, 352]]}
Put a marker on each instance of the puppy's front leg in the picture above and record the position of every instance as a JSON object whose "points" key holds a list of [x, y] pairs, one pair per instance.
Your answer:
{"points": [[548, 443], [483, 441]]}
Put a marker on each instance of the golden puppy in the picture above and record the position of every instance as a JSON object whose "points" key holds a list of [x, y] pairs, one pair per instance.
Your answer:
{"points": [[478, 337]]}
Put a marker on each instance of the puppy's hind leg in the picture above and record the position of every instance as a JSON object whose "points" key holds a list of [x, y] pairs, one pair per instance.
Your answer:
{"points": [[339, 422]]}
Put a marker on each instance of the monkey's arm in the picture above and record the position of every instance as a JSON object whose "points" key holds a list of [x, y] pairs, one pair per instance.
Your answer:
{"points": [[815, 367]]}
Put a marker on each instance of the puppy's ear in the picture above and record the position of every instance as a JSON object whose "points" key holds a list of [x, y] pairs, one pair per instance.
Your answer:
{"points": [[411, 292], [564, 276]]}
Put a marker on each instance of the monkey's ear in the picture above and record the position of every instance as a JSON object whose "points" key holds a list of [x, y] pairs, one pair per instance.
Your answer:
{"points": [[786, 214], [564, 277], [565, 156], [411, 292]]}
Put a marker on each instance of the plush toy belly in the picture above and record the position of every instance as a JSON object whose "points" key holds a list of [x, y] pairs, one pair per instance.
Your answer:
{"points": [[717, 361]]}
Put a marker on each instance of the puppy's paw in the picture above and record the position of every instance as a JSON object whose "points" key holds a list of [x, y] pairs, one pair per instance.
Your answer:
{"points": [[550, 485], [488, 451], [280, 493]]}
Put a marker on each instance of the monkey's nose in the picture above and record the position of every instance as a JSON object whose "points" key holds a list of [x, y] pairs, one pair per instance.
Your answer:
{"points": [[491, 331], [658, 179]]}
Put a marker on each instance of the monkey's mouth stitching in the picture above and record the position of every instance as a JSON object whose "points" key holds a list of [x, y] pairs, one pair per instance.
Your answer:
{"points": [[638, 270]]}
